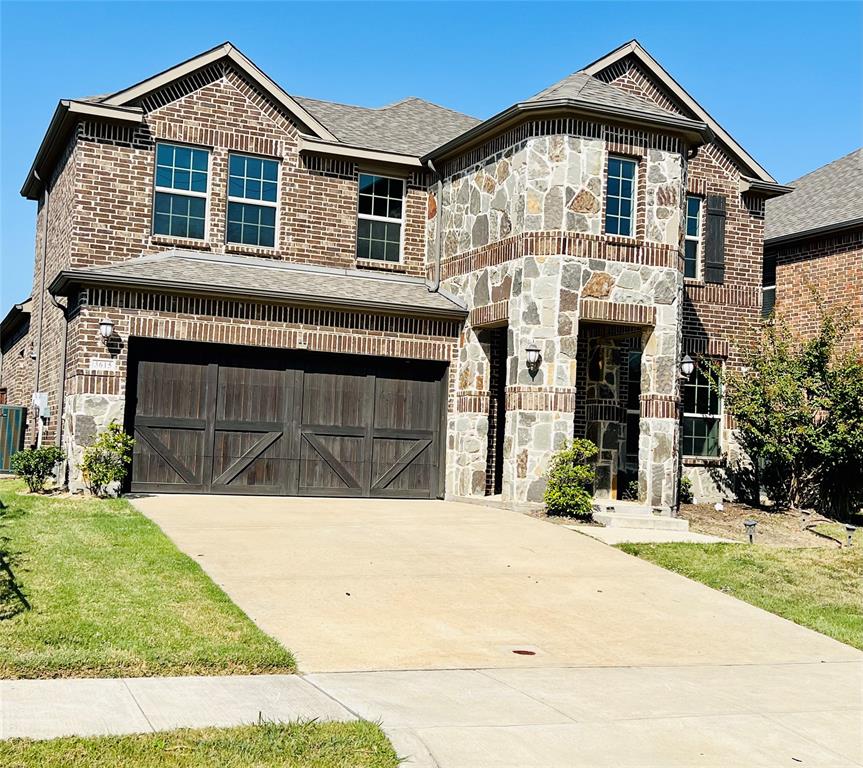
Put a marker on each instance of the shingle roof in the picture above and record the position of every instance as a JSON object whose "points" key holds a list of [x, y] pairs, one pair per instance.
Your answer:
{"points": [[829, 196], [206, 273], [411, 126], [580, 86]]}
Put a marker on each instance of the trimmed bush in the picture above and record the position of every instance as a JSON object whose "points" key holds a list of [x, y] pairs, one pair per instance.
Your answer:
{"points": [[570, 478], [36, 465], [685, 490], [106, 462]]}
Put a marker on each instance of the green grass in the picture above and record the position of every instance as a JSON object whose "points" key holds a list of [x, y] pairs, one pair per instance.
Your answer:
{"points": [[310, 745], [112, 596], [819, 588]]}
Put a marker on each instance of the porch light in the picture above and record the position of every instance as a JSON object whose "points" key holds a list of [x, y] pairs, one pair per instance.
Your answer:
{"points": [[106, 329], [849, 534], [750, 530], [687, 366], [533, 359]]}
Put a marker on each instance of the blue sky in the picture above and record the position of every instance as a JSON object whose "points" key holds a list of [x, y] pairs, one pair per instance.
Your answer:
{"points": [[783, 78]]}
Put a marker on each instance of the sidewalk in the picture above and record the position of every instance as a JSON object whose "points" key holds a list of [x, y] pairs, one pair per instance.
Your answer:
{"points": [[749, 715]]}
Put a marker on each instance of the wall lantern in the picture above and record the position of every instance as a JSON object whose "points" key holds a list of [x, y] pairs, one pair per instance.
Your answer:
{"points": [[687, 366], [106, 330], [750, 530], [533, 359]]}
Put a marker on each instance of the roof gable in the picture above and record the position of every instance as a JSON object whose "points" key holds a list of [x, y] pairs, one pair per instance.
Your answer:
{"points": [[682, 97], [134, 94]]}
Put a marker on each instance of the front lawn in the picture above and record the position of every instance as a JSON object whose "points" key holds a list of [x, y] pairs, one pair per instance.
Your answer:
{"points": [[818, 587], [111, 596], [296, 745]]}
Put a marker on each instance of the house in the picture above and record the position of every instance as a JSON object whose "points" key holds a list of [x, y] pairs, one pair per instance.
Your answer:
{"points": [[813, 248], [284, 295]]}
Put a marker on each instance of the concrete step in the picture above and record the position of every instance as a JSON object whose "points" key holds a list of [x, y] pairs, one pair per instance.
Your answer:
{"points": [[625, 507], [652, 522]]}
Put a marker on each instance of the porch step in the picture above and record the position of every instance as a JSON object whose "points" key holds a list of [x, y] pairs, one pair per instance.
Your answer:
{"points": [[638, 519]]}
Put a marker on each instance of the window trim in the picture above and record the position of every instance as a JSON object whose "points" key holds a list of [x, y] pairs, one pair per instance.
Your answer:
{"points": [[718, 417], [387, 219], [182, 192], [697, 239], [633, 215], [229, 198], [768, 287]]}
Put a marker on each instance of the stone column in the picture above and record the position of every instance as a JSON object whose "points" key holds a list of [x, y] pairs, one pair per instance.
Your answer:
{"points": [[658, 440], [540, 407]]}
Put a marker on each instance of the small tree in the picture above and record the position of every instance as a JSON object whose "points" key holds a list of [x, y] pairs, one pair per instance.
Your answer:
{"points": [[36, 465], [570, 478], [107, 461], [798, 409]]}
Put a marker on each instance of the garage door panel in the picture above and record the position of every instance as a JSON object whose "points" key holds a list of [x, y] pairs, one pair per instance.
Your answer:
{"points": [[172, 456], [406, 404], [248, 459], [331, 462], [172, 389], [253, 395], [402, 465]]}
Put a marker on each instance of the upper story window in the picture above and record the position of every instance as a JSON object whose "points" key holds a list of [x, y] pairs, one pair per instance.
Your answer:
{"points": [[182, 181], [692, 243], [380, 218], [620, 197], [253, 192], [702, 415], [768, 285]]}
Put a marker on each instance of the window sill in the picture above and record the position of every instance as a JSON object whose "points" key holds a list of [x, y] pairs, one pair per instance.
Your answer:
{"points": [[180, 242], [251, 250], [631, 240], [697, 281], [386, 266], [703, 461]]}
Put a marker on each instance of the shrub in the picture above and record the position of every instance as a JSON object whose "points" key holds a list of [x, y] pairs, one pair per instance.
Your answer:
{"points": [[570, 477], [36, 465], [685, 490], [630, 493], [106, 462]]}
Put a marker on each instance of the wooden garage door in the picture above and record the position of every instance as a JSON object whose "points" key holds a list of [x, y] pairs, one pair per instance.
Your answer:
{"points": [[216, 420]]}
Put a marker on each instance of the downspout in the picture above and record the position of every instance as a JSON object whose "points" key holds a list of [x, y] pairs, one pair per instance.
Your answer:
{"points": [[61, 399], [40, 426], [438, 240]]}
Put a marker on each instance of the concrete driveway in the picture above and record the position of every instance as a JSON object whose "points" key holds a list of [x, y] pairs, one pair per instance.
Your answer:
{"points": [[359, 585]]}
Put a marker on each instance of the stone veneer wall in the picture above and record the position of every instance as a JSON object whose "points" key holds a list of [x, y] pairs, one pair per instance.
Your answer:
{"points": [[543, 185]]}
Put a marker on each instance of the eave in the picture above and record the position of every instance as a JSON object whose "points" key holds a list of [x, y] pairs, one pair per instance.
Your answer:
{"points": [[806, 234], [695, 133], [765, 189], [66, 281], [66, 116], [317, 146]]}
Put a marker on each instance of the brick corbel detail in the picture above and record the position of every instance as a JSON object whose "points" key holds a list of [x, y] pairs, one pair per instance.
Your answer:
{"points": [[524, 398], [658, 407], [490, 315], [613, 312]]}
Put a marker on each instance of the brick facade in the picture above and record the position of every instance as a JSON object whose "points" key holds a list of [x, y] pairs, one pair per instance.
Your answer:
{"points": [[827, 269]]}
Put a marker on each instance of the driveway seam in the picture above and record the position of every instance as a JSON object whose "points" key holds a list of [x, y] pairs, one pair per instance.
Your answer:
{"points": [[329, 695], [138, 704], [529, 696]]}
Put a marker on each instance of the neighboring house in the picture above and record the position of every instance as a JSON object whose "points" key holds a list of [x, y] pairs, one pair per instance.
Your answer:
{"points": [[16, 359], [284, 295], [813, 248]]}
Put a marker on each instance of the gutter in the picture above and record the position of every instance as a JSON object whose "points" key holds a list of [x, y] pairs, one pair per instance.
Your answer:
{"points": [[808, 233], [692, 129], [310, 144], [765, 188], [68, 113], [65, 279]]}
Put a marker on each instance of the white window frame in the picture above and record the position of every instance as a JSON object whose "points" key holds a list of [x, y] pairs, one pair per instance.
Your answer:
{"points": [[182, 192], [386, 219], [249, 201], [706, 416], [697, 238], [633, 221]]}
